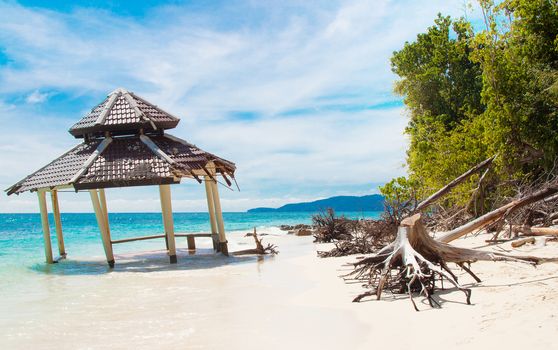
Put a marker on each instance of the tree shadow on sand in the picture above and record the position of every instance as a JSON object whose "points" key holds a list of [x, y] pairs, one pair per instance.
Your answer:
{"points": [[441, 293], [439, 298]]}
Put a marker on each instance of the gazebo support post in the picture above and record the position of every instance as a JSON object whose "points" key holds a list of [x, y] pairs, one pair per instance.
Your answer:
{"points": [[191, 242], [57, 223], [219, 218], [211, 210], [46, 229], [166, 209], [105, 235], [103, 200]]}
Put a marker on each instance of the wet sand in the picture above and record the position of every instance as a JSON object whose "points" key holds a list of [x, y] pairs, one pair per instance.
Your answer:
{"points": [[294, 300]]}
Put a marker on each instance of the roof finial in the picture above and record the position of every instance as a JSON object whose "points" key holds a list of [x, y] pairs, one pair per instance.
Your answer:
{"points": [[119, 90]]}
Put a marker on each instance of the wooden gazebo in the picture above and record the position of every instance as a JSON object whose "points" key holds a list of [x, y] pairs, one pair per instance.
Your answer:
{"points": [[125, 144]]}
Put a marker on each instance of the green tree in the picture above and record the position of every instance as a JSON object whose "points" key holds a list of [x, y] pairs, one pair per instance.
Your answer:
{"points": [[518, 53], [472, 95], [441, 87]]}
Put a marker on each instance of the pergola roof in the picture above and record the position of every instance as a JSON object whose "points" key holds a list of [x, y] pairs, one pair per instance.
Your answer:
{"points": [[123, 111], [129, 155]]}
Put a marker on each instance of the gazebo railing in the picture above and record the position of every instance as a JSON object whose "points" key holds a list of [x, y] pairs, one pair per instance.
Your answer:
{"points": [[189, 236]]}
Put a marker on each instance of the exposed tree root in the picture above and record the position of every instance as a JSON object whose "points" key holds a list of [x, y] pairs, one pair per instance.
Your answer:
{"points": [[412, 262]]}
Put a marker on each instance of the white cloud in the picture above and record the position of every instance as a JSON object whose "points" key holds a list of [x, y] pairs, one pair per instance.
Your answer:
{"points": [[320, 60], [37, 97]]}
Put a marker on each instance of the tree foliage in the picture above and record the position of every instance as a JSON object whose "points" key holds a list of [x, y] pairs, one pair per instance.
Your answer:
{"points": [[518, 53], [471, 95], [399, 197]]}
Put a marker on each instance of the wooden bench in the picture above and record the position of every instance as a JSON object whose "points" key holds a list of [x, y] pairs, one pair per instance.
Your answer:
{"points": [[190, 237]]}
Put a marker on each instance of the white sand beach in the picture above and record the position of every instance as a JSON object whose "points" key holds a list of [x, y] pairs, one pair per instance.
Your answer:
{"points": [[293, 300]]}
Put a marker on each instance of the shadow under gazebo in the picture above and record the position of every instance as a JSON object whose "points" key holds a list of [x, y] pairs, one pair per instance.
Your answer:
{"points": [[148, 261]]}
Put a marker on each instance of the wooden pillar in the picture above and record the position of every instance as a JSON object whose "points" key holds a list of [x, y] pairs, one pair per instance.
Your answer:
{"points": [[166, 209], [105, 235], [46, 229], [58, 223], [191, 242], [211, 210], [219, 219], [103, 200]]}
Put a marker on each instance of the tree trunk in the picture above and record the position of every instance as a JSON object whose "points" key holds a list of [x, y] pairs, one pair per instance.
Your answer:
{"points": [[498, 214], [412, 262], [444, 190]]}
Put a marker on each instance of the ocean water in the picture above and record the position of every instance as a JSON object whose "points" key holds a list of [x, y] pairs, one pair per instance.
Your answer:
{"points": [[147, 303], [21, 239]]}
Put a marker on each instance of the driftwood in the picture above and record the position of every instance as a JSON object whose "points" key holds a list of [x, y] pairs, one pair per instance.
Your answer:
{"points": [[542, 214], [260, 249], [414, 260], [499, 214], [521, 242], [536, 231]]}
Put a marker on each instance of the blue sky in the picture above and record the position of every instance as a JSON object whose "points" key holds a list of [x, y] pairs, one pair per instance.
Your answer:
{"points": [[297, 93]]}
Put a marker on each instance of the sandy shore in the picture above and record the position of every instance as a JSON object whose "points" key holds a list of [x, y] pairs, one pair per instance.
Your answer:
{"points": [[294, 300]]}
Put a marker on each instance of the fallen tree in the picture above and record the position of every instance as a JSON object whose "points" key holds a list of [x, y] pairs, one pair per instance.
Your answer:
{"points": [[367, 236], [414, 260], [500, 213]]}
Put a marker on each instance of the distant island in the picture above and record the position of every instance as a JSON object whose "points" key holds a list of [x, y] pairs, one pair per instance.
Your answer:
{"points": [[374, 202]]}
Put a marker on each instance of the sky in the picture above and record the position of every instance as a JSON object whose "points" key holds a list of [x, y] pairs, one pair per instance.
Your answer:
{"points": [[297, 93]]}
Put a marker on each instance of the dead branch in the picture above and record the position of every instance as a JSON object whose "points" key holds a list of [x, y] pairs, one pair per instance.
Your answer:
{"points": [[367, 236], [478, 196], [260, 249], [522, 242], [447, 188], [330, 228]]}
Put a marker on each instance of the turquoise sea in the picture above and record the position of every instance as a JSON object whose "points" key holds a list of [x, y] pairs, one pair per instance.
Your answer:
{"points": [[80, 303], [21, 239]]}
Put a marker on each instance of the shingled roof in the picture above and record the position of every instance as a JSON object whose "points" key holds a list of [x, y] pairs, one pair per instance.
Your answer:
{"points": [[125, 156], [121, 112]]}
